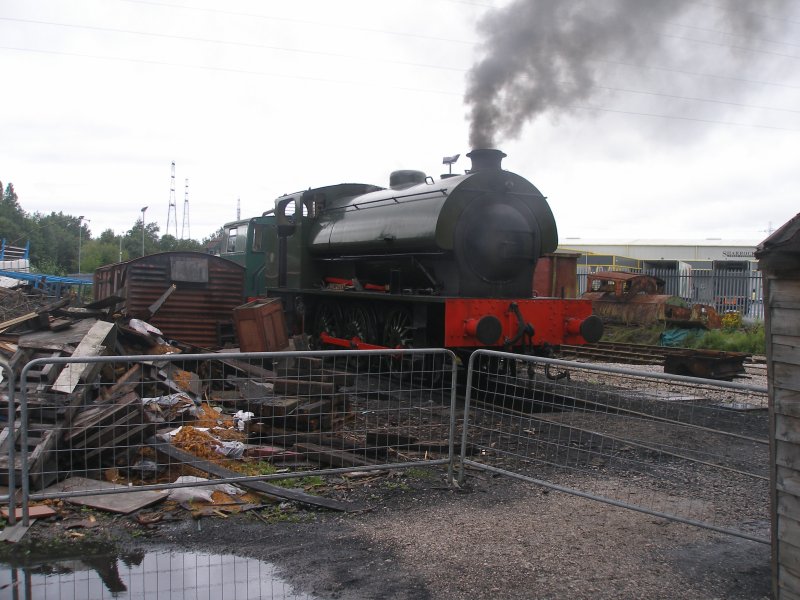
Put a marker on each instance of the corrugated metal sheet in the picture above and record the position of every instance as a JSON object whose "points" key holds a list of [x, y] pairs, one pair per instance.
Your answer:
{"points": [[208, 288]]}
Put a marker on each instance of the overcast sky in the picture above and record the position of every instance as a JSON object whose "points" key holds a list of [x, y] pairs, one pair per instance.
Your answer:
{"points": [[696, 137]]}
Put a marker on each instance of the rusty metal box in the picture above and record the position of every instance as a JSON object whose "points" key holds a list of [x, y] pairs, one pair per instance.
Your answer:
{"points": [[556, 275], [260, 326]]}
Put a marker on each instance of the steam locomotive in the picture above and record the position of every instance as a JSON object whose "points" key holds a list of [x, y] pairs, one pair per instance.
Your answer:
{"points": [[445, 263]]}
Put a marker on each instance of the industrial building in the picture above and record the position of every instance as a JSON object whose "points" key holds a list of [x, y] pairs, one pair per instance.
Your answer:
{"points": [[698, 254], [721, 273]]}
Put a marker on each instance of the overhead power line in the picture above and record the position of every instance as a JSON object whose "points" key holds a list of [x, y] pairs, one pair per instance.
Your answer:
{"points": [[188, 38], [405, 63], [731, 34], [730, 46], [384, 86], [699, 74], [749, 12], [249, 15]]}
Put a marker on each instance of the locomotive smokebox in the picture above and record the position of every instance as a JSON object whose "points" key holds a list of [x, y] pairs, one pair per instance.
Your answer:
{"points": [[484, 159]]}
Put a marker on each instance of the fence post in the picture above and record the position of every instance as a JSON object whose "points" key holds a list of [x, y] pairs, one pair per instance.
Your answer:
{"points": [[9, 372]]}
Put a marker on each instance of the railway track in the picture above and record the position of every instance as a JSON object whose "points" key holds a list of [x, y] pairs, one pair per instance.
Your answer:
{"points": [[631, 354], [682, 361]]}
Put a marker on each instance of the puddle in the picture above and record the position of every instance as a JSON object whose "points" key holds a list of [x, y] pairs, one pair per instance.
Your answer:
{"points": [[145, 575]]}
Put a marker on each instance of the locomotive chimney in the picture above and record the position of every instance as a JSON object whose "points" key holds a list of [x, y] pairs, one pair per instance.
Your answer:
{"points": [[486, 158]]}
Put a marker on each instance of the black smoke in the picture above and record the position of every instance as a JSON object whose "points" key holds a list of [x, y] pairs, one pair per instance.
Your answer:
{"points": [[544, 56]]}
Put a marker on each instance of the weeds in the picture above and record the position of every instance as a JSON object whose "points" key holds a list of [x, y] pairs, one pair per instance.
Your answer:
{"points": [[750, 339], [735, 337]]}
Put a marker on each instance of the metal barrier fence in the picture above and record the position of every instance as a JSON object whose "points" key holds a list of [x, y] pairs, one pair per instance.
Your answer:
{"points": [[10, 457], [689, 450], [102, 424]]}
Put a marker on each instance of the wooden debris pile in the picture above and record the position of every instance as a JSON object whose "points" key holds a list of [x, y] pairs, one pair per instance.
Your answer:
{"points": [[153, 420]]}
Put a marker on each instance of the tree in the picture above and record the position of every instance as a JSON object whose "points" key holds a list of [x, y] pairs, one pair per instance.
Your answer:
{"points": [[13, 220], [217, 235], [98, 253], [170, 243], [10, 197], [55, 239], [133, 239]]}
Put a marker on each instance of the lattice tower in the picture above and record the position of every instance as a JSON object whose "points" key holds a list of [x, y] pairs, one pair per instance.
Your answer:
{"points": [[172, 214], [185, 233]]}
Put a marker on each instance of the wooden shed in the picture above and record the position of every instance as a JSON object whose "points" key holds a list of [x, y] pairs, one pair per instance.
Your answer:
{"points": [[189, 296], [779, 261]]}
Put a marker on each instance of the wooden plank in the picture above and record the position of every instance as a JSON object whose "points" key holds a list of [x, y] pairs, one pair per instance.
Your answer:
{"points": [[225, 396], [337, 378], [331, 457], [784, 289], [119, 503], [787, 429], [788, 505], [785, 320], [789, 555], [50, 340], [386, 439], [785, 376], [94, 415], [18, 320], [270, 408], [139, 432], [786, 402], [789, 580], [38, 511], [60, 324], [273, 491], [789, 531], [786, 353], [787, 455], [87, 437], [285, 437], [783, 339], [93, 344], [125, 384], [252, 370], [14, 533], [82, 313], [787, 481], [303, 387], [312, 416]]}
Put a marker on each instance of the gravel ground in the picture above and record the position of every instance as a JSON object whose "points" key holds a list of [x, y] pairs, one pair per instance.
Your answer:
{"points": [[495, 539]]}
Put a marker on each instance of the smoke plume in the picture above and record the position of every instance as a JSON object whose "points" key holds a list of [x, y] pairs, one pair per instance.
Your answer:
{"points": [[544, 56]]}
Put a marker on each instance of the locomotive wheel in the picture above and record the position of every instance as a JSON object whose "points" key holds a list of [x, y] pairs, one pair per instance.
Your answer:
{"points": [[359, 322], [397, 332], [328, 320]]}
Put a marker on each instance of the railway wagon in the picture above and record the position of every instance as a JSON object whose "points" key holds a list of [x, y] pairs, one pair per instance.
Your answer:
{"points": [[243, 243], [423, 263]]}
